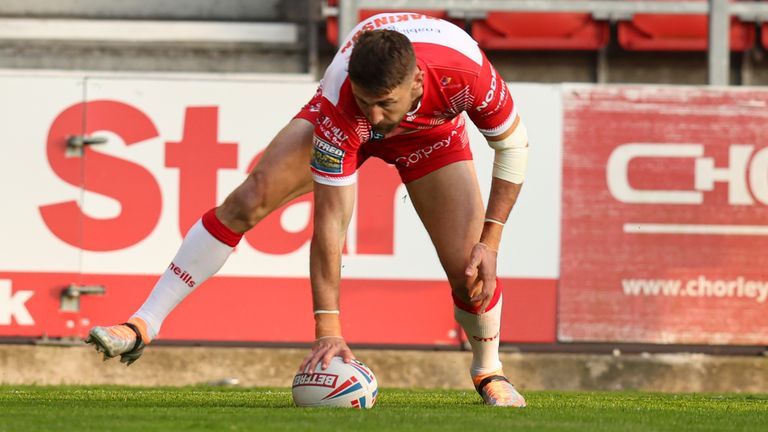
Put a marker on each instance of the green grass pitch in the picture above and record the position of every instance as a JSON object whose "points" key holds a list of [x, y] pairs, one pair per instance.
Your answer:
{"points": [[29, 408]]}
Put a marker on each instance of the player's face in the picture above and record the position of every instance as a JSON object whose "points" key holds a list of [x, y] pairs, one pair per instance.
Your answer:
{"points": [[386, 111]]}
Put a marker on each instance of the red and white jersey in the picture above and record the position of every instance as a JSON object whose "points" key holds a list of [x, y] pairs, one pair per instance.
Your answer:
{"points": [[457, 78]]}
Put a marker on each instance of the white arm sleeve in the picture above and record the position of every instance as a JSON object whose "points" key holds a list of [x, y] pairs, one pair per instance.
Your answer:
{"points": [[511, 157]]}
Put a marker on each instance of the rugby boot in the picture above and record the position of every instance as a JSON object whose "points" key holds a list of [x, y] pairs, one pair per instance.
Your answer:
{"points": [[496, 390], [125, 340]]}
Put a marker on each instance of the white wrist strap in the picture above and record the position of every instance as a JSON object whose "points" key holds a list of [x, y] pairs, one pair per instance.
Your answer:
{"points": [[329, 337], [325, 311]]}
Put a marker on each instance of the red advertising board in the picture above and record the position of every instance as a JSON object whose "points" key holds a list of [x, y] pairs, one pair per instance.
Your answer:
{"points": [[665, 224], [91, 228], [269, 310]]}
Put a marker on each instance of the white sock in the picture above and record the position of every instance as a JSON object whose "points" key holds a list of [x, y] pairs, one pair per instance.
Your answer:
{"points": [[483, 334], [200, 256]]}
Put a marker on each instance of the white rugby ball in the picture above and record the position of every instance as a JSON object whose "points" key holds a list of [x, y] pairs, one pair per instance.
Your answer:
{"points": [[348, 385]]}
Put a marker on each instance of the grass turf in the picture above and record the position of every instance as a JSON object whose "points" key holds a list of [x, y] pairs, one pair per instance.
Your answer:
{"points": [[29, 408]]}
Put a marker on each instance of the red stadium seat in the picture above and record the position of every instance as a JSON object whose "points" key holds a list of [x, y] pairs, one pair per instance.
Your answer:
{"points": [[651, 32], [765, 35], [541, 31], [332, 23]]}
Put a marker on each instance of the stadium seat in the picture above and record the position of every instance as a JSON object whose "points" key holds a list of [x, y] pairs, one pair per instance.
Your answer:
{"points": [[332, 23], [541, 31], [765, 35], [652, 32]]}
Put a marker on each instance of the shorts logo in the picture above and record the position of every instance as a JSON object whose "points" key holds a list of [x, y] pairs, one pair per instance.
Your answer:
{"points": [[327, 158], [425, 152]]}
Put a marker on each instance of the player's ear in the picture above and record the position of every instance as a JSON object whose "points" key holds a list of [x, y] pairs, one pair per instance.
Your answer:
{"points": [[418, 79]]}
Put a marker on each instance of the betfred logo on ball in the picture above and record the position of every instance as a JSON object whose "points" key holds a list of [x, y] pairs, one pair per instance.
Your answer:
{"points": [[315, 379], [347, 385]]}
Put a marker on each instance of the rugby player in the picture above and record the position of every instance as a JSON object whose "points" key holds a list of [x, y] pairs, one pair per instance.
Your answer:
{"points": [[396, 90]]}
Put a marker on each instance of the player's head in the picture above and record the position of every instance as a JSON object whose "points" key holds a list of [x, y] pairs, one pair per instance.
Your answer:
{"points": [[385, 79]]}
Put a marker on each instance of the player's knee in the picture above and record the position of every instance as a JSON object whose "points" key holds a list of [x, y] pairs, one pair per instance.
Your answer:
{"points": [[462, 294], [247, 205], [458, 280]]}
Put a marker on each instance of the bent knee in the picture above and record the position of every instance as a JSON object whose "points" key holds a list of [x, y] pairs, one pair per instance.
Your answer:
{"points": [[247, 205], [458, 281]]}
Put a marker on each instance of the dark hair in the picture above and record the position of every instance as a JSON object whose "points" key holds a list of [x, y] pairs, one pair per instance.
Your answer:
{"points": [[381, 60]]}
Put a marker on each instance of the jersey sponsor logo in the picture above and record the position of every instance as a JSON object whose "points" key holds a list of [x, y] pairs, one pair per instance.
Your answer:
{"points": [[491, 92], [386, 21], [500, 102], [408, 31], [327, 147], [326, 157], [447, 83], [316, 380], [330, 131]]}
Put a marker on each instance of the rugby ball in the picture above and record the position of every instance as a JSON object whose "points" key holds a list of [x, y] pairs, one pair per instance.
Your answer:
{"points": [[348, 385]]}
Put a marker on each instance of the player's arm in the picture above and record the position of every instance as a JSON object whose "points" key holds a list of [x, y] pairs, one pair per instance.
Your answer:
{"points": [[509, 166], [333, 210], [495, 115]]}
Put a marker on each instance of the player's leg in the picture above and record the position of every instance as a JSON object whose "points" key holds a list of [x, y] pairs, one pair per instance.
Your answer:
{"points": [[281, 175], [450, 205]]}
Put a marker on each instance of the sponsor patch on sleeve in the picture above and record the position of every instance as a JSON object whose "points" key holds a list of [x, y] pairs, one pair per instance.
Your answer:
{"points": [[326, 157]]}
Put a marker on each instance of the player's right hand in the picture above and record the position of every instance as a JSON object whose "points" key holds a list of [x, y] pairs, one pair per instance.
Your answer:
{"points": [[323, 350], [481, 276]]}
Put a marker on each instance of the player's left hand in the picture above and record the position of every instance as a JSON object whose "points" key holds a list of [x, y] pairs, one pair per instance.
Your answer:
{"points": [[481, 276], [323, 350]]}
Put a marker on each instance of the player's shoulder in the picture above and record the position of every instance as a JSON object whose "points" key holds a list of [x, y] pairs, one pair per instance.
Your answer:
{"points": [[448, 71], [447, 60], [341, 120]]}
